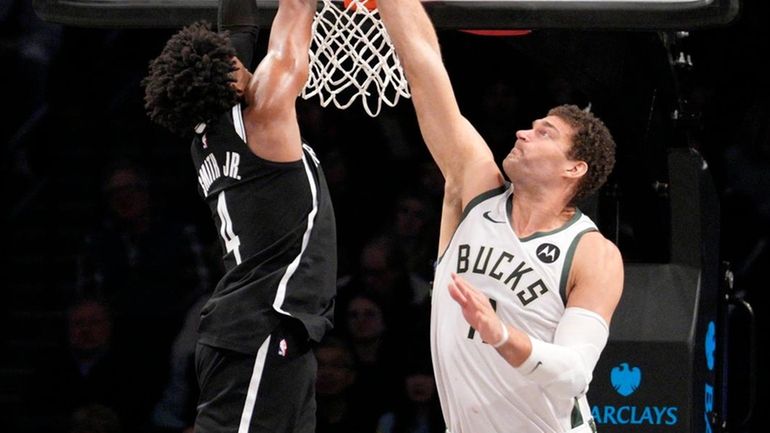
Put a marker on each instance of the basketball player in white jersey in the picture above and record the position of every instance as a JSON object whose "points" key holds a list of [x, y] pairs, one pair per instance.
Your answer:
{"points": [[525, 285]]}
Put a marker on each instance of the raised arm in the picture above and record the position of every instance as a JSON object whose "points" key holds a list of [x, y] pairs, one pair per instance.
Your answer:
{"points": [[452, 141], [271, 118], [460, 152], [241, 19]]}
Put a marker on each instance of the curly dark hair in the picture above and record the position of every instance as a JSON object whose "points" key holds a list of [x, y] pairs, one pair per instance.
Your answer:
{"points": [[190, 81], [592, 143]]}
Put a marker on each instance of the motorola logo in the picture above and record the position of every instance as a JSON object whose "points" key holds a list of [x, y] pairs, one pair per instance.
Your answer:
{"points": [[548, 253]]}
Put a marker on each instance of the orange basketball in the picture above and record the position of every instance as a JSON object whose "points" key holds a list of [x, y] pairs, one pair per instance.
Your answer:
{"points": [[370, 4]]}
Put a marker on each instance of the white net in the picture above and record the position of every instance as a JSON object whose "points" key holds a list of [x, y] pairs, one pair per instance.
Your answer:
{"points": [[351, 57]]}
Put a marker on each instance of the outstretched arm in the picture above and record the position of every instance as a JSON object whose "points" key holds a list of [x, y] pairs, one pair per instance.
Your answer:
{"points": [[271, 118], [460, 152], [240, 19]]}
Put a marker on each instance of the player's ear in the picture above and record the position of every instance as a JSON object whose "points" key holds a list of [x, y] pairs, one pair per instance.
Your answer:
{"points": [[576, 169]]}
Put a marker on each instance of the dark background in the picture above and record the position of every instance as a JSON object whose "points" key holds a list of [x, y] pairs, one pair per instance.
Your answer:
{"points": [[72, 105]]}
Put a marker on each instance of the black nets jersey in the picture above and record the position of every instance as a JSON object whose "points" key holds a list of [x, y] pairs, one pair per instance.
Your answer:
{"points": [[277, 231]]}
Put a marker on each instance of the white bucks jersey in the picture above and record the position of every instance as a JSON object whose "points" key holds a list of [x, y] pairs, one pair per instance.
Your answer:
{"points": [[525, 280]]}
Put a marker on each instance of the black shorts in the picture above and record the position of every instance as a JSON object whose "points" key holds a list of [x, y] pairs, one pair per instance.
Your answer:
{"points": [[270, 391]]}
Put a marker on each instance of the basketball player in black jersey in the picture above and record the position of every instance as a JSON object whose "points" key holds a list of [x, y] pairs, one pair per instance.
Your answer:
{"points": [[271, 207]]}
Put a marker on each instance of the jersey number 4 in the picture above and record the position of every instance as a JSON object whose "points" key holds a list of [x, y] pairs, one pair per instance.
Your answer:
{"points": [[232, 241]]}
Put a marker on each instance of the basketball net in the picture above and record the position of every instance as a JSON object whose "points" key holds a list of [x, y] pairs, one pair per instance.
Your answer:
{"points": [[351, 57]]}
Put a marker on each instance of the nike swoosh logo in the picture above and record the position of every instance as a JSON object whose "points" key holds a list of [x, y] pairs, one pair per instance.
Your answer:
{"points": [[486, 215], [539, 363]]}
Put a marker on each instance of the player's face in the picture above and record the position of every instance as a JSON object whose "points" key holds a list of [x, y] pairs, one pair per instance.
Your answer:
{"points": [[335, 373], [242, 77], [89, 328], [541, 151], [127, 196], [420, 387], [365, 321]]}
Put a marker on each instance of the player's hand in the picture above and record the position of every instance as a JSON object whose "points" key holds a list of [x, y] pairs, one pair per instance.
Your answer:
{"points": [[476, 309]]}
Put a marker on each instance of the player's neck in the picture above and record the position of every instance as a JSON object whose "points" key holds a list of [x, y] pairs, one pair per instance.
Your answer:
{"points": [[532, 213]]}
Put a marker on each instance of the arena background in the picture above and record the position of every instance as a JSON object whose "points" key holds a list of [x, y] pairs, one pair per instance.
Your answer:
{"points": [[73, 109]]}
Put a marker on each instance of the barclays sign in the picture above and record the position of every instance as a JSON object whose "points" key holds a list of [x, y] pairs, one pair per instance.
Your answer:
{"points": [[709, 346], [626, 380], [636, 415]]}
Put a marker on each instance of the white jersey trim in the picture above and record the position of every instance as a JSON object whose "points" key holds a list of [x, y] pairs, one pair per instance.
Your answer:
{"points": [[251, 393], [280, 294], [566, 269], [240, 129]]}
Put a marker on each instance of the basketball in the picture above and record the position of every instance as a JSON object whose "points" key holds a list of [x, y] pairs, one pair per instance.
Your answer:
{"points": [[370, 4]]}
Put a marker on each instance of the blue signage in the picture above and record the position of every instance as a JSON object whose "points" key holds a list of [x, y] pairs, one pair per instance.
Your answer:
{"points": [[711, 344], [625, 380], [636, 415]]}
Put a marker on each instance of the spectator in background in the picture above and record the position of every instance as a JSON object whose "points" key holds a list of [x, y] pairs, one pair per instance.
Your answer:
{"points": [[383, 275], [366, 328], [89, 370], [339, 411], [175, 412], [375, 350], [411, 229], [138, 258], [418, 409], [95, 419], [340, 182], [148, 268]]}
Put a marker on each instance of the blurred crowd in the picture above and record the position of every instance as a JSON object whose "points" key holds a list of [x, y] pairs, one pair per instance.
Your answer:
{"points": [[108, 239]]}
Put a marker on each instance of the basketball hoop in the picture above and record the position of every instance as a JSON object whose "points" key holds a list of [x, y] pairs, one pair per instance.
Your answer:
{"points": [[352, 57]]}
